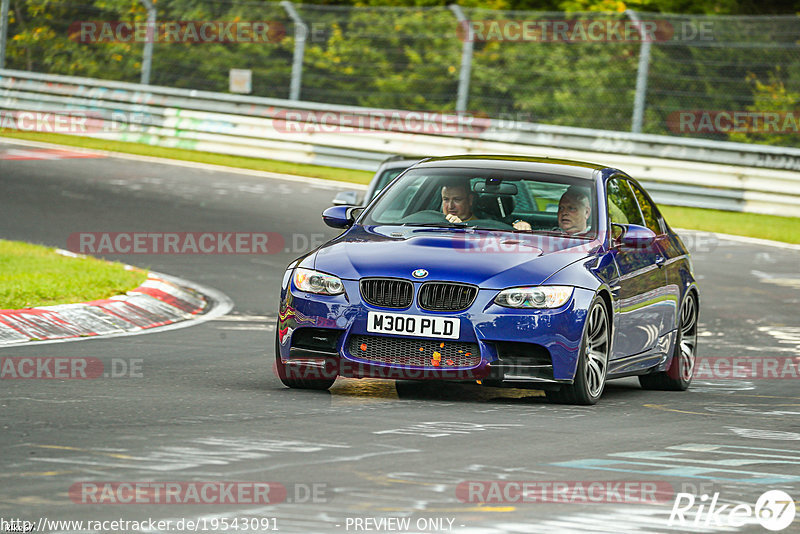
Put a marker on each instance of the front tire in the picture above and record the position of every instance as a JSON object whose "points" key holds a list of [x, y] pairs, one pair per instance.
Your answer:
{"points": [[679, 374], [590, 373]]}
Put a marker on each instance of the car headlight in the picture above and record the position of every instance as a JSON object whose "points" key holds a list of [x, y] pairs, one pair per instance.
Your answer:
{"points": [[534, 297], [316, 282]]}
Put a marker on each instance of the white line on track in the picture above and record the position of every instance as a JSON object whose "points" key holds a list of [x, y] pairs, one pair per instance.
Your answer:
{"points": [[319, 182]]}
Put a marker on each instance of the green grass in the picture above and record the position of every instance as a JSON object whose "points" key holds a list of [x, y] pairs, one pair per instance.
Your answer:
{"points": [[786, 229], [33, 275], [241, 162]]}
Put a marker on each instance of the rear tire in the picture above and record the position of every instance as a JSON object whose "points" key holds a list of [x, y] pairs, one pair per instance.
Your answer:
{"points": [[679, 374], [590, 373], [300, 376]]}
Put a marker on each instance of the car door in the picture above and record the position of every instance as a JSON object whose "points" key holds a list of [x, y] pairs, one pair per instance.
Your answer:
{"points": [[638, 321], [667, 256]]}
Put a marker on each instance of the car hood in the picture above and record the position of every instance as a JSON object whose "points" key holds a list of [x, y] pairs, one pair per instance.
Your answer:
{"points": [[489, 259]]}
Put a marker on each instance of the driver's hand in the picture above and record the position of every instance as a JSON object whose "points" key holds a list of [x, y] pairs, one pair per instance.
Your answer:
{"points": [[523, 226], [453, 218]]}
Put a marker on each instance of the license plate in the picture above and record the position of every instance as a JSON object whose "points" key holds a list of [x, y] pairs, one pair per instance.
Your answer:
{"points": [[413, 325]]}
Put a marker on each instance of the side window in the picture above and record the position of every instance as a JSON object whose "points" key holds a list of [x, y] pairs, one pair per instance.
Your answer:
{"points": [[545, 195], [622, 207], [387, 177], [649, 211]]}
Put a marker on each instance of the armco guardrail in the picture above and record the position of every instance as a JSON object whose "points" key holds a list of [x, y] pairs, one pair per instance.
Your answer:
{"points": [[680, 171]]}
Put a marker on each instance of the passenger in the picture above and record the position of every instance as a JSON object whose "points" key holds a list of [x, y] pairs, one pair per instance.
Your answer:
{"points": [[574, 210]]}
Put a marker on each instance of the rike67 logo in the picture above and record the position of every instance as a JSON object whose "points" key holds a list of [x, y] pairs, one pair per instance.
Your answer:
{"points": [[774, 510]]}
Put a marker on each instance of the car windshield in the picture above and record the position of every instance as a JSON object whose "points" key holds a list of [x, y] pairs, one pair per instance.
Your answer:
{"points": [[488, 199]]}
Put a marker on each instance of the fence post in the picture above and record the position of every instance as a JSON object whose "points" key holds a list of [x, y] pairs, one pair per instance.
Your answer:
{"points": [[3, 31], [641, 74], [147, 56], [300, 34], [466, 60]]}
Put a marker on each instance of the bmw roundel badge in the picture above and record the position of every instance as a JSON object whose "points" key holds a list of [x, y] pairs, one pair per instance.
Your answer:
{"points": [[419, 273]]}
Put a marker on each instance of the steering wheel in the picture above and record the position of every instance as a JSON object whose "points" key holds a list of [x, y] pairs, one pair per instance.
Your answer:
{"points": [[490, 223], [434, 216], [425, 217]]}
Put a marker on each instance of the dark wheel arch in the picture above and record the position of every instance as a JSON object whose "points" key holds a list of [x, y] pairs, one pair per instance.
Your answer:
{"points": [[680, 371]]}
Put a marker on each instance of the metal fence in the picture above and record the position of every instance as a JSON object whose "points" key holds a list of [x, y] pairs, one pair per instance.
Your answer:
{"points": [[688, 172], [614, 71]]}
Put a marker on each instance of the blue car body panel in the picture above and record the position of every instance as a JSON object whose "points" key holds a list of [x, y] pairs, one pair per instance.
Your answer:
{"points": [[447, 254]]}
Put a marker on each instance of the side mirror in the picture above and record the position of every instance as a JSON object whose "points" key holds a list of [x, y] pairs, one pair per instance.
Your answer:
{"points": [[635, 236], [346, 198], [339, 216]]}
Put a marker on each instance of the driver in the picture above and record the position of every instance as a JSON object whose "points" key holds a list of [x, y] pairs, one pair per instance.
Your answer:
{"points": [[457, 202]]}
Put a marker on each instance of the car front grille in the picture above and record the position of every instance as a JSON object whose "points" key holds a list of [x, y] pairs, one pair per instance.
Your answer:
{"points": [[446, 296], [414, 352], [387, 292]]}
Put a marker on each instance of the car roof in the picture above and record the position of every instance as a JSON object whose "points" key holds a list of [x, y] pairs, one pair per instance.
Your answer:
{"points": [[576, 169], [398, 163]]}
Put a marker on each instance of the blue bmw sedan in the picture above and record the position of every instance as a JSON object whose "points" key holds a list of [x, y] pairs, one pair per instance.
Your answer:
{"points": [[502, 270]]}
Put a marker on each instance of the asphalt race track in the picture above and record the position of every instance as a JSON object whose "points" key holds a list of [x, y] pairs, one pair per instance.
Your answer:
{"points": [[204, 405]]}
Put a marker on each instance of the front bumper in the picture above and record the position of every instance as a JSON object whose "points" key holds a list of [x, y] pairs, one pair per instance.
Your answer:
{"points": [[520, 347]]}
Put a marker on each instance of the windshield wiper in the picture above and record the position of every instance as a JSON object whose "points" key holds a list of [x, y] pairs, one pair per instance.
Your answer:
{"points": [[552, 233], [438, 225]]}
